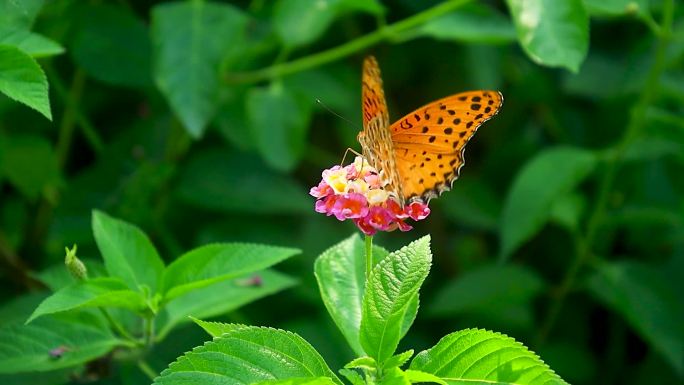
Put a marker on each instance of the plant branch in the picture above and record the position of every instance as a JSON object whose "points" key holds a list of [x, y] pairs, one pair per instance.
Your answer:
{"points": [[369, 256], [147, 369], [336, 53], [637, 119]]}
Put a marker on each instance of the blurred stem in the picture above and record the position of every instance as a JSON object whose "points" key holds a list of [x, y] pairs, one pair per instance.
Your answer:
{"points": [[72, 108], [147, 369], [634, 127], [336, 53], [66, 127], [369, 256], [148, 331], [117, 326]]}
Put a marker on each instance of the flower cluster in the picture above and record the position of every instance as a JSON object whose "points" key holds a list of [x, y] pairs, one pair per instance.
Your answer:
{"points": [[357, 192]]}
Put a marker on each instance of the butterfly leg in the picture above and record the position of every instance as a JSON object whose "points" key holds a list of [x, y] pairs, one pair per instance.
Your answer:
{"points": [[347, 151]]}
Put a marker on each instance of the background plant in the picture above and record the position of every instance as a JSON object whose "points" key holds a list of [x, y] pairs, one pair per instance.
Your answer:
{"points": [[198, 122]]}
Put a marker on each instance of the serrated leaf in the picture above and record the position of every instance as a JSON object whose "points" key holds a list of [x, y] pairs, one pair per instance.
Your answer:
{"points": [[489, 288], [299, 381], [473, 23], [96, 292], [479, 355], [220, 298], [248, 355], [122, 55], [22, 80], [279, 123], [29, 163], [545, 178], [341, 274], [81, 337], [208, 264], [552, 33], [31, 43], [649, 302], [127, 252], [217, 329], [392, 286], [189, 40], [353, 376], [231, 182], [415, 376], [361, 362], [398, 360]]}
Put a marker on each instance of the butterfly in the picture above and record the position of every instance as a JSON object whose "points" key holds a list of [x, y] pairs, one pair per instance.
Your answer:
{"points": [[421, 154]]}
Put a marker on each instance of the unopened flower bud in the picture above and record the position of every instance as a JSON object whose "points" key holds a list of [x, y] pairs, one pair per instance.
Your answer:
{"points": [[75, 265]]}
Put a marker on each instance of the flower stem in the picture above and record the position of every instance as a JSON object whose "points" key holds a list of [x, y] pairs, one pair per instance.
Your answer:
{"points": [[369, 256], [147, 369], [363, 42], [634, 127]]}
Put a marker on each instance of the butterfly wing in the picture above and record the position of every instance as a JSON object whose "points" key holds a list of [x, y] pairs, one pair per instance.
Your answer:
{"points": [[376, 138], [429, 142]]}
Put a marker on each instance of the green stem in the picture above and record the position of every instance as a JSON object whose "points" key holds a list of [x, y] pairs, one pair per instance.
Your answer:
{"points": [[117, 326], [634, 127], [66, 127], [369, 256], [149, 331], [147, 369], [336, 53]]}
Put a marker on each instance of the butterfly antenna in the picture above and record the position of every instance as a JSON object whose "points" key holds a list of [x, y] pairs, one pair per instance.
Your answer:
{"points": [[336, 114]]}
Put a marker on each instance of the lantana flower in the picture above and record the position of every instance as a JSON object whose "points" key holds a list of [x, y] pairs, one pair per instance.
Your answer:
{"points": [[357, 192]]}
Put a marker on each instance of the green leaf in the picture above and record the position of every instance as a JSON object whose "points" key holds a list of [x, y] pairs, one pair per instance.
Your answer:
{"points": [[22, 79], [231, 182], [218, 262], [97, 292], [353, 376], [548, 176], [479, 355], [489, 288], [415, 376], [394, 376], [279, 123], [31, 43], [122, 55], [392, 286], [650, 303], [19, 14], [364, 362], [29, 164], [568, 209], [57, 277], [341, 275], [217, 329], [300, 22], [26, 348], [473, 23], [220, 298], [127, 252], [299, 381], [617, 7], [552, 33], [248, 355], [189, 41], [398, 360]]}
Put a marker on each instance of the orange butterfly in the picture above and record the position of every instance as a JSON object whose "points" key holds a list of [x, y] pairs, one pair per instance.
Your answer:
{"points": [[421, 154]]}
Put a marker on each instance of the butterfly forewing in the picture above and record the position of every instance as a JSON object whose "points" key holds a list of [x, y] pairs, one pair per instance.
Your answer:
{"points": [[376, 138], [430, 141]]}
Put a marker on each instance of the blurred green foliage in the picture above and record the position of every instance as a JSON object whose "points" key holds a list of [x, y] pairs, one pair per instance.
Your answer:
{"points": [[198, 122]]}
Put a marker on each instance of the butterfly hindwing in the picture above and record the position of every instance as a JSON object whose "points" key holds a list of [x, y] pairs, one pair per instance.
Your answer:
{"points": [[429, 142]]}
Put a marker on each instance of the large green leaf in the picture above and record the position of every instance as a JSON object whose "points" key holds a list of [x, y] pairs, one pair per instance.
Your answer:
{"points": [[230, 181], [217, 262], [29, 163], [299, 381], [479, 356], [122, 55], [190, 40], [474, 23], [552, 33], [31, 43], [221, 297], [341, 275], [544, 179], [279, 122], [390, 292], [490, 290], [650, 303], [81, 337], [127, 252], [248, 355], [22, 79], [94, 292], [19, 14]]}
